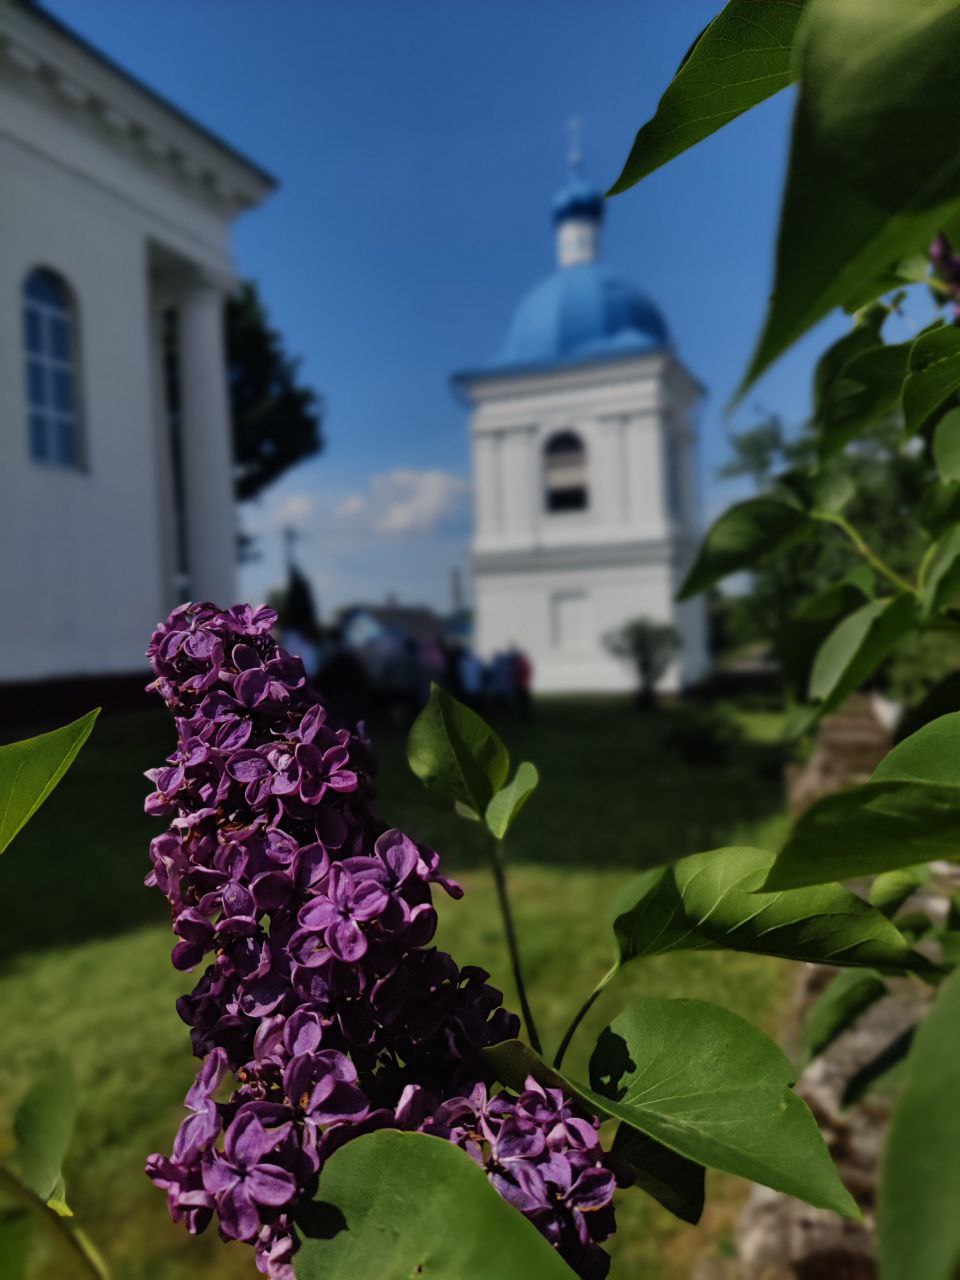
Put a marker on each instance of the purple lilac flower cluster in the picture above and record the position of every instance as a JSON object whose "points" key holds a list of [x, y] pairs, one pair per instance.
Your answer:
{"points": [[323, 1011], [946, 265]]}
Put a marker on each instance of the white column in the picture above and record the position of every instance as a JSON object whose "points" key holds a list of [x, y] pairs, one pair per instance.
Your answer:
{"points": [[207, 444], [488, 495], [166, 493]]}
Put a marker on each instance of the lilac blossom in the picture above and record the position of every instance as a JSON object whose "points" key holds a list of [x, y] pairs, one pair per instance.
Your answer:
{"points": [[321, 1009], [946, 266]]}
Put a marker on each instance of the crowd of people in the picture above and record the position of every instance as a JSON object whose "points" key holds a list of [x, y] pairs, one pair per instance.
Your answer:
{"points": [[393, 675]]}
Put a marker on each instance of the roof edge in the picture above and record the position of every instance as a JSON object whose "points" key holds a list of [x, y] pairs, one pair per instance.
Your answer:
{"points": [[62, 29]]}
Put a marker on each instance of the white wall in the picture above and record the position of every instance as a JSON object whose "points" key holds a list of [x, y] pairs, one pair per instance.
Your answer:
{"points": [[621, 558], [84, 576], [521, 609], [80, 569]]}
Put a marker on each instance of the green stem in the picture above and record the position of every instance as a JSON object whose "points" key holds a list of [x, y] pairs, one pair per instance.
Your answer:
{"points": [[868, 553], [579, 1017], [503, 897], [925, 565], [61, 1228]]}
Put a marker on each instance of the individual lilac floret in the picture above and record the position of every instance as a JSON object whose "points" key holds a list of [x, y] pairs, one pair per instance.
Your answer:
{"points": [[323, 1011], [243, 1180]]}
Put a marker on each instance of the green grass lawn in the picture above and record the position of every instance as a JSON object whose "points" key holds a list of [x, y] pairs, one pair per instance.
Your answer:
{"points": [[85, 948]]}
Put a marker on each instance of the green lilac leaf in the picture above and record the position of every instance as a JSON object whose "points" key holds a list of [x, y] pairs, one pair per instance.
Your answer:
{"points": [[29, 771], [883, 1070], [711, 1087], [946, 446], [705, 1084], [839, 1005], [939, 508], [874, 168], [857, 646], [16, 1233], [455, 752], [866, 390], [914, 269], [713, 900], [59, 1226], [919, 1227], [742, 58], [934, 374], [674, 1181], [891, 889], [864, 336], [932, 754], [741, 537], [399, 1205], [841, 598], [868, 829], [823, 490], [941, 583], [509, 800], [42, 1127]]}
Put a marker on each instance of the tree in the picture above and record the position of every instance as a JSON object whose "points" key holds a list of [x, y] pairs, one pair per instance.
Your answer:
{"points": [[651, 647], [277, 420], [890, 478], [296, 608]]}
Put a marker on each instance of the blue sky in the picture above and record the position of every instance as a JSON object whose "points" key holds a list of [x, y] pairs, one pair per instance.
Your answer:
{"points": [[418, 144]]}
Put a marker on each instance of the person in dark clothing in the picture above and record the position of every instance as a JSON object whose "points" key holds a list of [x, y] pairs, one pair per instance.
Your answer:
{"points": [[344, 683]]}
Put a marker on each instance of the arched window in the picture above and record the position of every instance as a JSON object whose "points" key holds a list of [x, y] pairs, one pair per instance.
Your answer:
{"points": [[565, 472], [50, 362]]}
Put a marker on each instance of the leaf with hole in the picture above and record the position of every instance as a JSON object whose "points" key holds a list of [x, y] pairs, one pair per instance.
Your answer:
{"points": [[704, 1083], [711, 1087]]}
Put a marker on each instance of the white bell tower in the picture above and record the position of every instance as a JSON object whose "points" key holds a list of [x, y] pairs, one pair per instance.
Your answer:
{"points": [[584, 465]]}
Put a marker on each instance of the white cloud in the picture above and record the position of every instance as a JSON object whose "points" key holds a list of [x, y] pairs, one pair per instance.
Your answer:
{"points": [[294, 509], [407, 501]]}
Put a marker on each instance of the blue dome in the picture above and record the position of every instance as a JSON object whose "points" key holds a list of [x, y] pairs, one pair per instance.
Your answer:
{"points": [[582, 313], [577, 200]]}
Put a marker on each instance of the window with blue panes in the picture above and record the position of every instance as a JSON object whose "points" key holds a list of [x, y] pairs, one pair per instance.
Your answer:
{"points": [[52, 382]]}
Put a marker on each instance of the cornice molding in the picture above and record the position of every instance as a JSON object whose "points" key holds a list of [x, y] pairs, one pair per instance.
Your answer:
{"points": [[603, 555], [78, 79]]}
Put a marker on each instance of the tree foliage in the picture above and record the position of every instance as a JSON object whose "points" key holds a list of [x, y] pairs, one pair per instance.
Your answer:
{"points": [[277, 419], [651, 646], [872, 198]]}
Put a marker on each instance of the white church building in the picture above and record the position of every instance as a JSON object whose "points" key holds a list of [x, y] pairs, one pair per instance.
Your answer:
{"points": [[584, 470], [116, 474]]}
